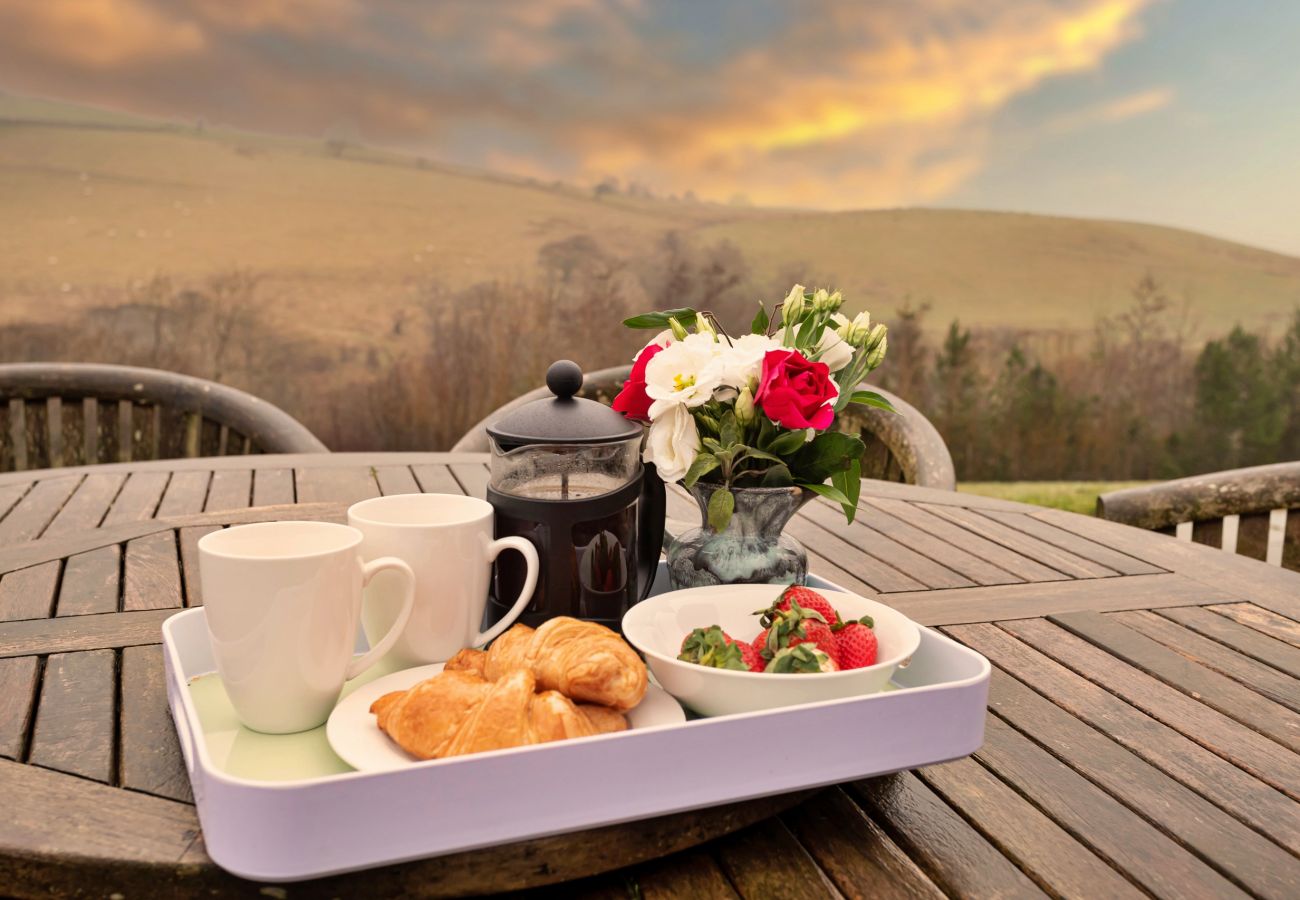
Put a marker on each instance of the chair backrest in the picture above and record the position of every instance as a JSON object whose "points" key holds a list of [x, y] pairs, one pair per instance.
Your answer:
{"points": [[1254, 512], [903, 447], [65, 414]]}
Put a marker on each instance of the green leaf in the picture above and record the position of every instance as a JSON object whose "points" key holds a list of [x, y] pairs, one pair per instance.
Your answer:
{"points": [[703, 465], [766, 432], [826, 454], [729, 429], [871, 398], [830, 493], [849, 483], [761, 321], [711, 445], [721, 505], [708, 647], [777, 476], [751, 453], [786, 443], [659, 320]]}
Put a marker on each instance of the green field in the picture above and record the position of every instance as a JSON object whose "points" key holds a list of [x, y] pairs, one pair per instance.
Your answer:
{"points": [[1073, 496]]}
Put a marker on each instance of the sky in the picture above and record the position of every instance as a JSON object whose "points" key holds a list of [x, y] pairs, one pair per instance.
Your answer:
{"points": [[1178, 112]]}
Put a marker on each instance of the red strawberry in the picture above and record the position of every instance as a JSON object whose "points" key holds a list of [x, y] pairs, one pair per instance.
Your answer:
{"points": [[819, 634], [760, 642], [857, 644], [753, 658], [808, 599]]}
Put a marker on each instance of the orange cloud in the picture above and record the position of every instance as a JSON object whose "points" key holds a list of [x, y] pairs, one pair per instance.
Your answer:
{"points": [[99, 34]]}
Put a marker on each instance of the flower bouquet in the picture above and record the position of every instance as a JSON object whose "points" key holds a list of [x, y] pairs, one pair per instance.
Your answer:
{"points": [[759, 410]]}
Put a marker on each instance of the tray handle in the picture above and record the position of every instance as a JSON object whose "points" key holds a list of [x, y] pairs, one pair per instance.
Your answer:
{"points": [[183, 733]]}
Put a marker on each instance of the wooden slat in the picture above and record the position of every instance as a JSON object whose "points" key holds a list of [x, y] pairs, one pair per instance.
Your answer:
{"points": [[336, 485], [1003, 560], [1050, 856], [151, 758], [1131, 844], [1018, 541], [185, 494], [152, 578], [985, 604], [868, 569], [61, 818], [90, 438], [230, 489], [88, 505], [1275, 685], [396, 480], [189, 541], [765, 860], [272, 487], [693, 875], [36, 509], [69, 633], [1211, 688], [1215, 778], [1263, 758], [1262, 620], [860, 859], [952, 853], [473, 478], [29, 593], [37, 449], [914, 564], [436, 479], [1067, 540], [1229, 846], [1241, 638], [18, 432], [74, 718], [92, 582], [126, 436], [18, 677], [138, 498], [10, 494], [54, 431]]}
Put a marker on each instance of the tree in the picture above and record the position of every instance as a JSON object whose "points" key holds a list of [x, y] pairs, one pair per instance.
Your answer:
{"points": [[1286, 374], [1237, 420], [959, 392]]}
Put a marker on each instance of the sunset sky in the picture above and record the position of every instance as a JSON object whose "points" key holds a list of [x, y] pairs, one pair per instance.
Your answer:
{"points": [[1182, 112]]}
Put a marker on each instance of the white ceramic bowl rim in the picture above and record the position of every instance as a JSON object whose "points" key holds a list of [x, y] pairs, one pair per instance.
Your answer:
{"points": [[895, 660]]}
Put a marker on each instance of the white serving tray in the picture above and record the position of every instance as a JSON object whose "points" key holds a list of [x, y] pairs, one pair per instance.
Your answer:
{"points": [[283, 808]]}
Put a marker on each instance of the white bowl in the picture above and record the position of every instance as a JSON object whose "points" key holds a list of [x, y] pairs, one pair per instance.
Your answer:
{"points": [[657, 625]]}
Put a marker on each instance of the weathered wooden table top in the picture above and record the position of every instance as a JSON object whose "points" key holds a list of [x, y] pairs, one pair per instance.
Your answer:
{"points": [[1143, 736]]}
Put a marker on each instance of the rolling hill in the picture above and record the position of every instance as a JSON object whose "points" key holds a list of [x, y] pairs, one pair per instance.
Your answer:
{"points": [[91, 201]]}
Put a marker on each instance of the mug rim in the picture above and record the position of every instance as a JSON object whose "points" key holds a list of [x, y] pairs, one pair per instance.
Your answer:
{"points": [[357, 511], [354, 539]]}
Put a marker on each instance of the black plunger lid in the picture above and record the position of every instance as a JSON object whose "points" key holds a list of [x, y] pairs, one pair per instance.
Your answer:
{"points": [[564, 418]]}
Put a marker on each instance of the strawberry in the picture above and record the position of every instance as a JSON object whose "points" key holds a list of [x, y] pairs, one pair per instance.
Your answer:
{"points": [[857, 644], [819, 634], [752, 657], [715, 648], [797, 594], [800, 660]]}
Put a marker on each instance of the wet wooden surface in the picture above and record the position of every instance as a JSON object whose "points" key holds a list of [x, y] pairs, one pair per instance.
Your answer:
{"points": [[1143, 731]]}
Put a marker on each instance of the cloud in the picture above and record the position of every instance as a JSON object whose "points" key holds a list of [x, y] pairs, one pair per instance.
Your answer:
{"points": [[1119, 109], [834, 103]]}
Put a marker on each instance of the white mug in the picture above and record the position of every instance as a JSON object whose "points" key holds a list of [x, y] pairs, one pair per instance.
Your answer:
{"points": [[447, 540], [283, 601]]}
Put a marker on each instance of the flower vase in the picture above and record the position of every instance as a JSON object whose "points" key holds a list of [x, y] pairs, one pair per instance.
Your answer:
{"points": [[752, 548]]}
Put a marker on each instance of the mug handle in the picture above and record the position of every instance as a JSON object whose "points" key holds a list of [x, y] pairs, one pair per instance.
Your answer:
{"points": [[524, 546], [368, 571]]}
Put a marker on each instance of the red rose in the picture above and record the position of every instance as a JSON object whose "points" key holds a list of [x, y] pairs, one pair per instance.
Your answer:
{"points": [[794, 392], [632, 401]]}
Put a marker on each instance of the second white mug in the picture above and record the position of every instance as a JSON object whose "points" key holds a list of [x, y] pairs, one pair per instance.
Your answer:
{"points": [[447, 540]]}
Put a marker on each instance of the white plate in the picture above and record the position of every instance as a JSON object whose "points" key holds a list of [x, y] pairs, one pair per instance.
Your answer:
{"points": [[356, 738]]}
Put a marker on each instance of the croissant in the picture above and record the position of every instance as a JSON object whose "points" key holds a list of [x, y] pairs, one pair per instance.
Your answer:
{"points": [[582, 660], [458, 712]]}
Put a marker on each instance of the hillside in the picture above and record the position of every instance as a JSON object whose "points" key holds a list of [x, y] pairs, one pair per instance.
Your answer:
{"points": [[91, 201]]}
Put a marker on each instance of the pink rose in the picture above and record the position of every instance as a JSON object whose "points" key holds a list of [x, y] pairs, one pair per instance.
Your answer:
{"points": [[632, 401], [795, 393]]}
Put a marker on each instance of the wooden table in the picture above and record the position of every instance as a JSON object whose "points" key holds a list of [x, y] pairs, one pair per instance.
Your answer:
{"points": [[1143, 736]]}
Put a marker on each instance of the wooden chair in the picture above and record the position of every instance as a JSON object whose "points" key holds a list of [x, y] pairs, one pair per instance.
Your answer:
{"points": [[1254, 512], [67, 414], [904, 448]]}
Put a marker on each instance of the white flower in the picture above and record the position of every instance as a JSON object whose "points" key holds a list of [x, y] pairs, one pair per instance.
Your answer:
{"points": [[673, 442], [832, 348], [742, 362], [686, 372]]}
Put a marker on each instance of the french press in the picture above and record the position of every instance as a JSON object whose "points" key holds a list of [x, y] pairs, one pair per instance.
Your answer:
{"points": [[566, 474]]}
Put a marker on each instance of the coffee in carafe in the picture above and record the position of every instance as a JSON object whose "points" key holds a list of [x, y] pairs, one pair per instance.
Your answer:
{"points": [[567, 475]]}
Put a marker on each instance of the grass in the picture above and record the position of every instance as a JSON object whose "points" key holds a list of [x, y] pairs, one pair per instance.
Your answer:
{"points": [[1072, 496]]}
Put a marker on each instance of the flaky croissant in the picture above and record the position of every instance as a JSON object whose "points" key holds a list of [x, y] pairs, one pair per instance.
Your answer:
{"points": [[458, 712], [582, 660]]}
